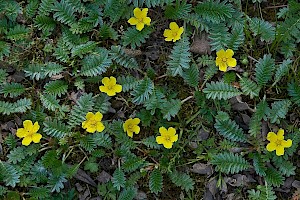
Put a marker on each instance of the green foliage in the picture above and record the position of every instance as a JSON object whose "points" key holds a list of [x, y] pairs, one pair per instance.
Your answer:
{"points": [[249, 87], [12, 89], [220, 90], [259, 165], [16, 155], [191, 75], [91, 165], [50, 101], [9, 174], [135, 38], [279, 110], [230, 130], [229, 162], [179, 58], [132, 163], [151, 142], [182, 180], [236, 38], [294, 92], [219, 36], [155, 181], [46, 7], [142, 91], [80, 50], [20, 106], [262, 112], [156, 100], [262, 193], [119, 56], [128, 194], [56, 88], [180, 11], [4, 49], [55, 128], [282, 70], [102, 103], [285, 167], [88, 143], [264, 69], [171, 108], [262, 28], [18, 32], [274, 177], [64, 13], [3, 75], [128, 82], [44, 23], [118, 179], [31, 8]]}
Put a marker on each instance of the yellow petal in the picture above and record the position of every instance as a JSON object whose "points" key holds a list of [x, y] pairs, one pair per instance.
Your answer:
{"points": [[105, 81], [177, 37], [229, 53], [221, 54], [140, 26], [163, 131], [174, 27], [160, 139], [147, 21], [167, 144], [288, 143], [36, 137], [133, 21], [91, 129], [219, 61], [125, 125], [168, 33], [103, 89], [100, 127], [98, 116], [137, 12], [83, 125], [27, 140], [111, 93], [168, 39], [89, 115], [144, 12], [21, 132], [172, 131], [130, 133], [112, 80], [174, 138], [136, 129], [231, 62], [223, 67], [28, 124], [180, 31], [36, 127], [279, 151], [272, 137], [280, 134], [136, 121], [117, 88], [271, 146]]}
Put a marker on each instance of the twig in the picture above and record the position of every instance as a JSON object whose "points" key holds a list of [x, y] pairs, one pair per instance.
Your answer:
{"points": [[186, 99], [252, 58]]}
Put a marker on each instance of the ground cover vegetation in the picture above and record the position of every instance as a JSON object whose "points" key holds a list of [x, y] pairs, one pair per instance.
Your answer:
{"points": [[149, 99]]}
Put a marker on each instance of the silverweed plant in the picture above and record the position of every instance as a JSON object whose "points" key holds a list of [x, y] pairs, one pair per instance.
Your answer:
{"points": [[149, 99]]}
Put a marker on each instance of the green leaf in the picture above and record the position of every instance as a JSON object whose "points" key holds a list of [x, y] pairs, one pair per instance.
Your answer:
{"points": [[229, 162], [3, 75], [156, 100], [230, 130], [285, 167], [151, 142], [294, 92], [182, 180], [171, 108], [64, 13], [135, 38], [46, 7], [259, 165], [262, 28], [88, 143], [142, 91], [102, 103], [264, 69], [282, 70], [91, 165], [279, 110], [180, 11], [119, 56], [12, 89], [155, 181], [128, 82], [263, 193], [219, 37], [50, 102], [80, 50], [220, 90], [249, 87], [10, 175], [274, 177], [56, 88], [128, 194], [236, 38], [16, 155], [179, 58], [44, 23], [4, 51], [191, 75], [18, 32], [55, 128], [118, 179]]}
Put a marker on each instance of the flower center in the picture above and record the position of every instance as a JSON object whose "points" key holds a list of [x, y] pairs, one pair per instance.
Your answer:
{"points": [[174, 34], [278, 142], [168, 138], [110, 87], [93, 123], [224, 59], [130, 127]]}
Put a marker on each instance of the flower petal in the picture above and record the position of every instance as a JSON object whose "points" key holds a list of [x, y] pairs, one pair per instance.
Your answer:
{"points": [[144, 12], [279, 151], [177, 37], [103, 89], [167, 144], [136, 129], [27, 140], [133, 21], [117, 88], [21, 132], [168, 33], [231, 62], [137, 12], [112, 80], [140, 26], [125, 125], [223, 67], [136, 121], [221, 54], [287, 143], [280, 134], [160, 139], [229, 53], [163, 131], [83, 124], [174, 138], [271, 146], [130, 133], [272, 137], [89, 115], [105, 81], [172, 131], [100, 126], [36, 127], [27, 124], [147, 20], [111, 93], [91, 129], [98, 116], [180, 31], [174, 27], [36, 137]]}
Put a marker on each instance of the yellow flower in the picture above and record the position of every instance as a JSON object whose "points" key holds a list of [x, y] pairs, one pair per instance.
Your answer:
{"points": [[224, 59], [277, 142], [140, 18], [173, 33], [29, 133], [93, 122], [131, 126], [167, 138], [110, 86]]}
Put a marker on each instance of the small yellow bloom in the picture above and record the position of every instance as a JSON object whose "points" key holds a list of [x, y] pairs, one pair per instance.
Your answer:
{"points": [[93, 122], [167, 138], [224, 59], [140, 18], [277, 142], [29, 133], [173, 33], [131, 126], [110, 86]]}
